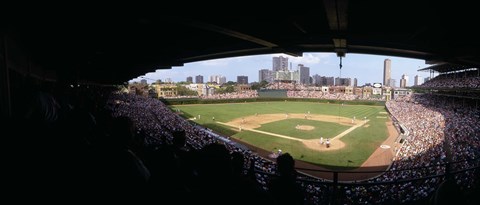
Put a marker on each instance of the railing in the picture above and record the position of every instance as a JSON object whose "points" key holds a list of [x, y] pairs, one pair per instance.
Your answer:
{"points": [[381, 190]]}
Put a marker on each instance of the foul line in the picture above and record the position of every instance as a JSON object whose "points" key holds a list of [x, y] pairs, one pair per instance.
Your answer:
{"points": [[263, 132], [301, 140], [350, 129]]}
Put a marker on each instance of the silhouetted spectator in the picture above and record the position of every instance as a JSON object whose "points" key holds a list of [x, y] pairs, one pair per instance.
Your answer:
{"points": [[246, 187], [284, 188], [448, 193], [118, 168]]}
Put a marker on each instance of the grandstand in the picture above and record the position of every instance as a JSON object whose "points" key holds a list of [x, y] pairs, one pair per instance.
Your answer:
{"points": [[454, 80], [439, 143], [432, 151]]}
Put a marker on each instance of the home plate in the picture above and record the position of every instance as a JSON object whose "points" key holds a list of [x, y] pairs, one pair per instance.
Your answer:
{"points": [[384, 146]]}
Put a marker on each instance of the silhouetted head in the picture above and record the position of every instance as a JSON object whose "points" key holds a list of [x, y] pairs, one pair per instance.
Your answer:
{"points": [[215, 160], [179, 138], [447, 192], [285, 164], [122, 131], [237, 162]]}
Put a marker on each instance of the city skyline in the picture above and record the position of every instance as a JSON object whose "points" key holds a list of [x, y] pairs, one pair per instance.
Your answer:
{"points": [[366, 68]]}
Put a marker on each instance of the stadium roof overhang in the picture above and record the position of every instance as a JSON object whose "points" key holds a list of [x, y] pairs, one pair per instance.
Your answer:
{"points": [[118, 45], [447, 67]]}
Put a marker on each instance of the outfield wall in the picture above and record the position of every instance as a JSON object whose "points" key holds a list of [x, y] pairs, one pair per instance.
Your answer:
{"points": [[185, 101], [272, 93]]}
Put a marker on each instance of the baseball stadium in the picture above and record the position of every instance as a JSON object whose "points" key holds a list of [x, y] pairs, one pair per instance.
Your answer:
{"points": [[78, 127]]}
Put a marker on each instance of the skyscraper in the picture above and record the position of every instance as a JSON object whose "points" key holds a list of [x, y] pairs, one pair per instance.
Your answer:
{"points": [[213, 78], [317, 79], [392, 83], [304, 74], [323, 80], [343, 81], [280, 63], [199, 79], [189, 79], [404, 81], [387, 69], [265, 75], [219, 79], [405, 76], [222, 80], [241, 79], [418, 80]]}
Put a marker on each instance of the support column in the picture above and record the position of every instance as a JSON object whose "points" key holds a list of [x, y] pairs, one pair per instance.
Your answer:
{"points": [[5, 97], [334, 190]]}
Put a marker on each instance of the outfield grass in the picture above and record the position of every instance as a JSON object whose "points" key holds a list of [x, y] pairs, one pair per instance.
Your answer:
{"points": [[230, 111], [287, 127], [360, 143]]}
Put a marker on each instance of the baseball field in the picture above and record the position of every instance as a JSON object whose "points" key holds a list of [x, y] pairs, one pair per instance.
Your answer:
{"points": [[354, 132]]}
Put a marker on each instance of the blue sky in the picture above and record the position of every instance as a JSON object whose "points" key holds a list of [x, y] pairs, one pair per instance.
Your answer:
{"points": [[366, 68]]}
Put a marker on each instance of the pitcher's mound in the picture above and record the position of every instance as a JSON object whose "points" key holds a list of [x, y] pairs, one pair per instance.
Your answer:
{"points": [[304, 127]]}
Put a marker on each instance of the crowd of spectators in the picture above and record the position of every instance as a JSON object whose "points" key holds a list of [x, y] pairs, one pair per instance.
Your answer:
{"points": [[470, 79], [422, 154], [233, 95], [442, 132], [163, 122], [162, 153], [320, 95]]}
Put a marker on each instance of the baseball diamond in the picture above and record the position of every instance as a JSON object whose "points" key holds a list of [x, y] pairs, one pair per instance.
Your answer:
{"points": [[265, 128]]}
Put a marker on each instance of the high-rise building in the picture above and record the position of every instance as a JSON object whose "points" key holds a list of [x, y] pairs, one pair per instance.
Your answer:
{"points": [[219, 79], [403, 83], [143, 81], [213, 78], [265, 75], [405, 77], [329, 81], [241, 79], [189, 79], [418, 80], [280, 63], [323, 80], [387, 70], [343, 81], [392, 83], [355, 82], [199, 79], [222, 80], [304, 74], [317, 79]]}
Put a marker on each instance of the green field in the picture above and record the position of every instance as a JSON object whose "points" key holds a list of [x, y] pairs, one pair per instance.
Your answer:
{"points": [[360, 143]]}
